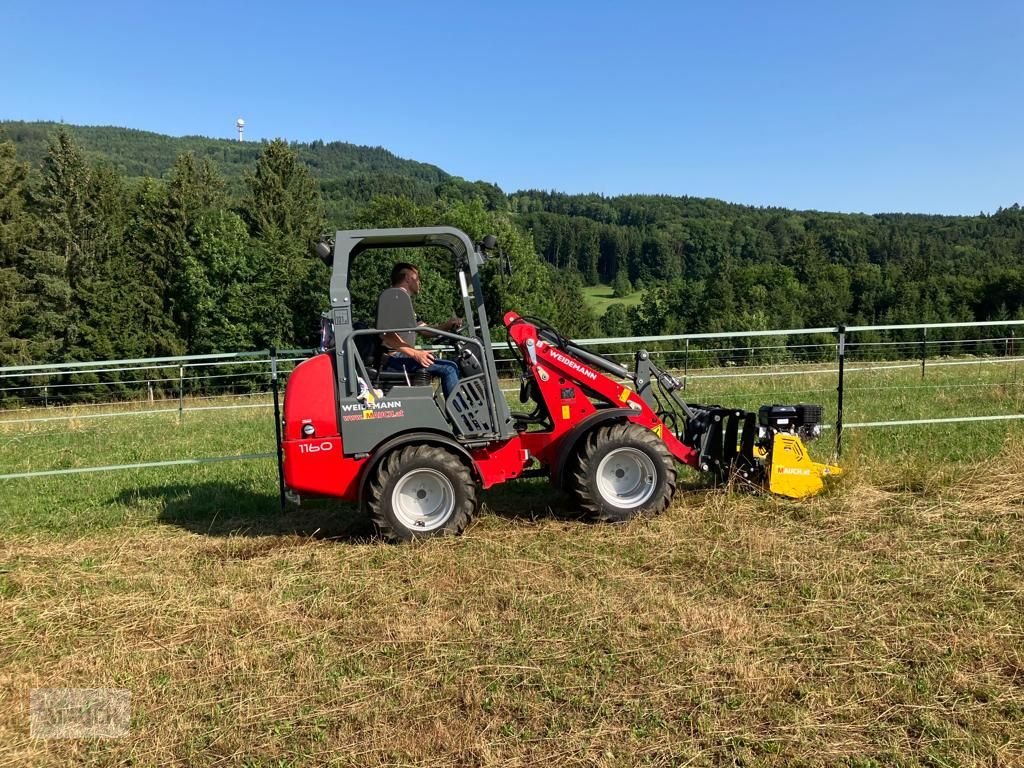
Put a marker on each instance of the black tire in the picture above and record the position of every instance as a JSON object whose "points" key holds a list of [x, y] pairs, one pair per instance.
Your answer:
{"points": [[420, 491], [622, 471]]}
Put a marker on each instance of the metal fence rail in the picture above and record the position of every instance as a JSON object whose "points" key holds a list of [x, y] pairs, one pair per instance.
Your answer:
{"points": [[109, 389], [142, 465]]}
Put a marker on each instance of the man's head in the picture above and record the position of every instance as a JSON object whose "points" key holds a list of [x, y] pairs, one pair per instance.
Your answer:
{"points": [[405, 275]]}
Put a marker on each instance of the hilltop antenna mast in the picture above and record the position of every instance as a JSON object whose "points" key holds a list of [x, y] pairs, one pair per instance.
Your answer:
{"points": [[240, 125]]}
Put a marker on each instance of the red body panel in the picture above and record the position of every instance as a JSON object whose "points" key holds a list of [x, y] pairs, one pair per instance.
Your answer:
{"points": [[310, 399], [318, 466], [315, 464], [502, 461]]}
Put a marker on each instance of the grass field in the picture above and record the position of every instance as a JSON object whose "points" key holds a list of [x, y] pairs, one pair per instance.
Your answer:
{"points": [[879, 624], [600, 297]]}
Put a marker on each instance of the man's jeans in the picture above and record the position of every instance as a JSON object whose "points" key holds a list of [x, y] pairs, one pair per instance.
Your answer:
{"points": [[447, 370]]}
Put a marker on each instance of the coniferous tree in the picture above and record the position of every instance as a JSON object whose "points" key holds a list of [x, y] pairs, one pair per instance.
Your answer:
{"points": [[61, 248], [149, 249], [16, 304], [284, 212], [104, 282], [195, 190], [621, 287], [217, 285], [82, 254]]}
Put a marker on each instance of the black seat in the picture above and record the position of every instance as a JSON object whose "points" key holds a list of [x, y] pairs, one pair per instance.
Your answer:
{"points": [[384, 379], [371, 350]]}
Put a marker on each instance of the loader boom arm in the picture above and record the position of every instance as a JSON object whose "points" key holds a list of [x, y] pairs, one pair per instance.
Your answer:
{"points": [[562, 378]]}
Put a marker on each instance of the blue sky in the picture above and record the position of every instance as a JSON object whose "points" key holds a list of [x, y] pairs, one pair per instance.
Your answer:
{"points": [[866, 106]]}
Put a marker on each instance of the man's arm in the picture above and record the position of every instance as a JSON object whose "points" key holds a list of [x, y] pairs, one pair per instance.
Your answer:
{"points": [[450, 325], [393, 342]]}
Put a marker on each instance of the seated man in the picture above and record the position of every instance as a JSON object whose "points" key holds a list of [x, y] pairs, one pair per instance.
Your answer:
{"points": [[394, 310]]}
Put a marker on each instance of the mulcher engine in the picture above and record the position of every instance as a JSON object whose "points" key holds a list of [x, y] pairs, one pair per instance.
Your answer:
{"points": [[802, 420]]}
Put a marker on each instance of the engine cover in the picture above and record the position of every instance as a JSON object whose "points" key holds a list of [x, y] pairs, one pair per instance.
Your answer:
{"points": [[802, 419]]}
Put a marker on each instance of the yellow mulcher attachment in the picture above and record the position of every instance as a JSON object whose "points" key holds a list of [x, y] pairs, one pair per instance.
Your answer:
{"points": [[765, 450], [792, 472]]}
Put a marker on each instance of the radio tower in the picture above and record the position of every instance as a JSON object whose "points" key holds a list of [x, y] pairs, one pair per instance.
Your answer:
{"points": [[240, 125]]}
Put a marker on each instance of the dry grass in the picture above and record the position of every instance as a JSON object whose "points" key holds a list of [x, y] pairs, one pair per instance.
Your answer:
{"points": [[880, 624]]}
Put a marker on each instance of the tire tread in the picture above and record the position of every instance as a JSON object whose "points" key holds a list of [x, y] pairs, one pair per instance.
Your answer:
{"points": [[414, 456], [603, 439]]}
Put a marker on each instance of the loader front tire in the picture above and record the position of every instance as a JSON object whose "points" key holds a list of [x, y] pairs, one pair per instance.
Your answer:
{"points": [[622, 471], [420, 491]]}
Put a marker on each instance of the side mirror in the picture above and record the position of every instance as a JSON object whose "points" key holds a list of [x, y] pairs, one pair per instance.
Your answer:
{"points": [[487, 243], [324, 252]]}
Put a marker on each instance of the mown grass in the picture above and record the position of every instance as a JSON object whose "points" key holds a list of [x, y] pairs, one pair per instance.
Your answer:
{"points": [[879, 624], [599, 297]]}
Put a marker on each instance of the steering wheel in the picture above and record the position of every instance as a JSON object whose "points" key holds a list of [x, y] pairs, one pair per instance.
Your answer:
{"points": [[465, 355]]}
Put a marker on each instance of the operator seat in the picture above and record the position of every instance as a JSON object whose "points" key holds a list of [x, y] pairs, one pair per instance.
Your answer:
{"points": [[371, 350], [394, 310]]}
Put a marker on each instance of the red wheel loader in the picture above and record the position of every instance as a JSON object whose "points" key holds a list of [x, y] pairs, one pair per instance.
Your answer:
{"points": [[610, 437]]}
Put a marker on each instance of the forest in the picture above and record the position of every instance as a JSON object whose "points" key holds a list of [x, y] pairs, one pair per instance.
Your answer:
{"points": [[119, 243]]}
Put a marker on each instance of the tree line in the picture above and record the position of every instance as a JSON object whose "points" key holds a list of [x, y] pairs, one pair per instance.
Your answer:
{"points": [[708, 266], [96, 264], [119, 243]]}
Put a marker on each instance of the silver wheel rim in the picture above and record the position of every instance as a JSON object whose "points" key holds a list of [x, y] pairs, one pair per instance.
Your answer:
{"points": [[626, 478], [423, 500]]}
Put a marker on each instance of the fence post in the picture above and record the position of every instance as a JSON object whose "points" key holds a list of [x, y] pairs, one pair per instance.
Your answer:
{"points": [[924, 348], [46, 396], [839, 390], [686, 361], [181, 392], [277, 425]]}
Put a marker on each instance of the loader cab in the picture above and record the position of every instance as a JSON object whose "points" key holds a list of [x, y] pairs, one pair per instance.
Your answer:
{"points": [[374, 404]]}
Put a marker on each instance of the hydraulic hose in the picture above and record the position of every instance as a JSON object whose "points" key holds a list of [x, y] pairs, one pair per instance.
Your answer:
{"points": [[597, 361]]}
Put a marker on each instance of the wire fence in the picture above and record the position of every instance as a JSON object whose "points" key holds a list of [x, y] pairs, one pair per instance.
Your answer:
{"points": [[928, 374]]}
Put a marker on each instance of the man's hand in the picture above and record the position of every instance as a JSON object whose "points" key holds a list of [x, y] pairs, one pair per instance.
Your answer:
{"points": [[422, 356]]}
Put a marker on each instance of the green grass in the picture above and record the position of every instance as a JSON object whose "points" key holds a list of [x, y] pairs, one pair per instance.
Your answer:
{"points": [[879, 624], [599, 297]]}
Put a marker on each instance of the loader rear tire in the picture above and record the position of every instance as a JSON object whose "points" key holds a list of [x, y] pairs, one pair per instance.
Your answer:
{"points": [[622, 471], [421, 491]]}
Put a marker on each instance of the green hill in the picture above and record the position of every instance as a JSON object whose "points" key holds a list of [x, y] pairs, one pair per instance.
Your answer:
{"points": [[349, 175], [702, 264], [142, 153]]}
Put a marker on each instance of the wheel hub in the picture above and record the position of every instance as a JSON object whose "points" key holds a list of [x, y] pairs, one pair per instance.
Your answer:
{"points": [[626, 478], [424, 499]]}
